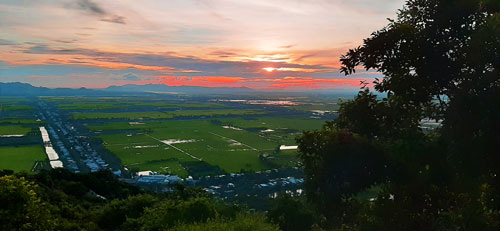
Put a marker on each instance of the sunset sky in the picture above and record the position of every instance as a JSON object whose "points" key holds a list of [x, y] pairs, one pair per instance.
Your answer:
{"points": [[261, 44]]}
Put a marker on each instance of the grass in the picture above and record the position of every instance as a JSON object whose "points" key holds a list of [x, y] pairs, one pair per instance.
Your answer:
{"points": [[162, 105], [165, 115], [119, 126], [62, 98], [20, 158], [321, 107], [123, 115], [298, 124], [13, 100], [141, 152], [139, 146], [16, 108], [87, 106], [144, 153], [20, 121], [171, 166], [214, 145], [285, 158], [13, 130], [231, 150], [96, 104]]}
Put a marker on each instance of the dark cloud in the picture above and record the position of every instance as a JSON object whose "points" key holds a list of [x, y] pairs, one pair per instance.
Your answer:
{"points": [[4, 42], [131, 77], [287, 47], [93, 8], [115, 19], [224, 54], [38, 49], [65, 41], [90, 7], [304, 57]]}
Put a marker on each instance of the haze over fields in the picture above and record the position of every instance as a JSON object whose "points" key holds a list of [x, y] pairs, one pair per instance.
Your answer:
{"points": [[260, 44]]}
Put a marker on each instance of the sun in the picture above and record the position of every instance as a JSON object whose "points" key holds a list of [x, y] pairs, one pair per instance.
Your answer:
{"points": [[269, 69]]}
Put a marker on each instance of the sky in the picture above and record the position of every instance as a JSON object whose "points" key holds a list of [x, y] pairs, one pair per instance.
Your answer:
{"points": [[260, 44]]}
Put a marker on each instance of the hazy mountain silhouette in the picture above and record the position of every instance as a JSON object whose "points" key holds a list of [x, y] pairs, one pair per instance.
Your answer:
{"points": [[24, 89], [159, 88]]}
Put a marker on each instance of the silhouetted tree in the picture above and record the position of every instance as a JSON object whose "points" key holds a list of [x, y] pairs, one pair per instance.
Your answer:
{"points": [[440, 59], [338, 164]]}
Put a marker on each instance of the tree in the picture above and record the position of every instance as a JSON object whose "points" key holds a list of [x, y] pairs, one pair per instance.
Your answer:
{"points": [[242, 222], [291, 214], [20, 206], [115, 213], [168, 213], [338, 164], [440, 60], [386, 118], [434, 48]]}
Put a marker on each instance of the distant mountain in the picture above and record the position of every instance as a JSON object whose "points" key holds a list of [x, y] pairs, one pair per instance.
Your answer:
{"points": [[24, 89], [161, 88]]}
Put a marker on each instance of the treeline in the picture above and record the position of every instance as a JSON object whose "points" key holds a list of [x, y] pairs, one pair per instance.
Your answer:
{"points": [[61, 200]]}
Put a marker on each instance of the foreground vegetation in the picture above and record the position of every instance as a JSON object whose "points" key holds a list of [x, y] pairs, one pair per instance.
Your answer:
{"points": [[60, 200]]}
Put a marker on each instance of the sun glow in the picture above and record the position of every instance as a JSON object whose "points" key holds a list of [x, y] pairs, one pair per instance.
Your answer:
{"points": [[269, 69]]}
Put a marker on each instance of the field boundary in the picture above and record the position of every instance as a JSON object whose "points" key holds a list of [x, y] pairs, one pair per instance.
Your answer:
{"points": [[234, 141], [178, 149]]}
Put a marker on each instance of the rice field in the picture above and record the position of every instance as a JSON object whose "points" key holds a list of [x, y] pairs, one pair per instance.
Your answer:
{"points": [[165, 115], [21, 158], [6, 130], [165, 146]]}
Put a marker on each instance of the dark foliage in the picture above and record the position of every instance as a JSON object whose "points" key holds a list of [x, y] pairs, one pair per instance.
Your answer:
{"points": [[61, 200], [440, 60], [292, 214]]}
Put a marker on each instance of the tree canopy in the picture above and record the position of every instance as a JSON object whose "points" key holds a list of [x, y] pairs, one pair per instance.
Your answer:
{"points": [[440, 61]]}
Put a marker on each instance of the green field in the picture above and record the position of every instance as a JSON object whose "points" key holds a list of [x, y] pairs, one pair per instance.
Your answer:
{"points": [[99, 105], [21, 158], [164, 105], [232, 149], [17, 108], [284, 158], [13, 130], [9, 121], [299, 124], [207, 142], [219, 140], [171, 166], [165, 115], [87, 106], [124, 115]]}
